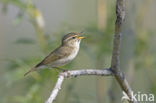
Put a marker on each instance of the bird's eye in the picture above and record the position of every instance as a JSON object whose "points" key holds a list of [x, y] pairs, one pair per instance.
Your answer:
{"points": [[73, 37]]}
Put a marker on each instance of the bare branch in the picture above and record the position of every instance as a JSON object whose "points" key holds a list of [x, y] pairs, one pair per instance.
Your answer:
{"points": [[115, 65], [56, 89], [75, 73]]}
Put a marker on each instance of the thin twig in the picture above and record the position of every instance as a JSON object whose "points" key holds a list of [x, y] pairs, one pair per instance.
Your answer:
{"points": [[75, 73]]}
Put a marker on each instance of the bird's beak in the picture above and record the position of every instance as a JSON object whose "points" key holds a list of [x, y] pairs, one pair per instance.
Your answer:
{"points": [[80, 37]]}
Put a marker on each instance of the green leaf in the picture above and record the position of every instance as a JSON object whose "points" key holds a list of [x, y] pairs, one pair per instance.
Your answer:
{"points": [[25, 41]]}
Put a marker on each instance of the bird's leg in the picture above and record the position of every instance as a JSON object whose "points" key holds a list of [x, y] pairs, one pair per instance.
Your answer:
{"points": [[61, 69], [56, 69], [64, 71]]}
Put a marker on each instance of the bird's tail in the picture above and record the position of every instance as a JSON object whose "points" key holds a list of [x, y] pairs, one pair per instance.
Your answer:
{"points": [[31, 70]]}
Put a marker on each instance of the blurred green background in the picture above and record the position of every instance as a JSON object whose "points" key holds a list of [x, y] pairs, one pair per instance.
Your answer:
{"points": [[30, 29]]}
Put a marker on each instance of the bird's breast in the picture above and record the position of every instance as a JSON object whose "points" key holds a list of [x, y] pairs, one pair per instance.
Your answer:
{"points": [[73, 54]]}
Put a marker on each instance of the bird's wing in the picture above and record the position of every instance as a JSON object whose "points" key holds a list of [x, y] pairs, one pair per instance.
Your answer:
{"points": [[58, 53]]}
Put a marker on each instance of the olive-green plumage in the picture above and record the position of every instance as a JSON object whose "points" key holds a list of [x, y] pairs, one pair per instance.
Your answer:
{"points": [[58, 53], [62, 55]]}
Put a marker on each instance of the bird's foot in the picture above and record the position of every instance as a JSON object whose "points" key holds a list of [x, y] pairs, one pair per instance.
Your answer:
{"points": [[68, 74]]}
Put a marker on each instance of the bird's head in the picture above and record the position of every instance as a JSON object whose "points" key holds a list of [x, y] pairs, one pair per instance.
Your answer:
{"points": [[72, 39]]}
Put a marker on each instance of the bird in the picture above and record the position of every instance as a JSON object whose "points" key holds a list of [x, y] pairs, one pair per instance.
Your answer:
{"points": [[62, 55]]}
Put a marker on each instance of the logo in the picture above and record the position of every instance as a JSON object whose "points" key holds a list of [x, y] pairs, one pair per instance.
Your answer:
{"points": [[140, 97]]}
